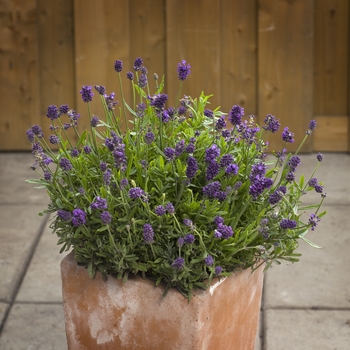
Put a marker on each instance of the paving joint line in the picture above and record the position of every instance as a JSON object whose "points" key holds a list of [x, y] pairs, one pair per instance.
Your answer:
{"points": [[27, 262]]}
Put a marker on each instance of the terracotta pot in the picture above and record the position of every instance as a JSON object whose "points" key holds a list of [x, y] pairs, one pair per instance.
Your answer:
{"points": [[134, 315]]}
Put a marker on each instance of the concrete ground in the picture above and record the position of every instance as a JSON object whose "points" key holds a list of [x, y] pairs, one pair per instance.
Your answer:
{"points": [[305, 305]]}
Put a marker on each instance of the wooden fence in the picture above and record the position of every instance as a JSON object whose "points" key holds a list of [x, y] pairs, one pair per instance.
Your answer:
{"points": [[289, 58]]}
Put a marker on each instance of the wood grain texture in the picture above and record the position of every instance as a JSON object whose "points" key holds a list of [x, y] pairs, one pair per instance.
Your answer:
{"points": [[238, 55], [331, 55], [19, 88], [56, 56], [286, 65], [101, 37], [193, 34], [331, 134]]}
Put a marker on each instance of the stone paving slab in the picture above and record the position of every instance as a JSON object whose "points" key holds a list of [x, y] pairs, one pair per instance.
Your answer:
{"points": [[14, 170], [34, 327], [19, 229], [42, 282], [307, 330], [3, 309], [321, 277], [333, 171]]}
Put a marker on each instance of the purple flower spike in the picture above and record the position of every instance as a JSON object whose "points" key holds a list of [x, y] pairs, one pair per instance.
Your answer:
{"points": [[192, 167], [106, 217], [209, 113], [86, 93], [52, 112], [319, 157], [218, 270], [189, 239], [313, 221], [178, 263], [235, 115], [30, 135], [64, 215], [130, 75], [94, 121], [312, 125], [148, 233], [118, 66], [209, 261], [288, 224], [138, 63], [65, 164], [183, 70], [79, 217], [100, 89], [169, 153], [160, 210], [287, 136], [54, 140], [170, 208]]}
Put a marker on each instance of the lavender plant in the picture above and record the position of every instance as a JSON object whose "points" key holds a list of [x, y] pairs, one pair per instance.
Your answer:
{"points": [[183, 195]]}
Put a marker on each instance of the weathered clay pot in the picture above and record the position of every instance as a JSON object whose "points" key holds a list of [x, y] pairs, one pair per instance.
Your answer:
{"points": [[134, 315]]}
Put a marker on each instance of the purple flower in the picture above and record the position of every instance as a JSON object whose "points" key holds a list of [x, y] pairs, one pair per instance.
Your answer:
{"points": [[211, 189], [106, 217], [65, 164], [94, 121], [312, 125], [313, 221], [158, 101], [218, 270], [160, 210], [79, 217], [52, 112], [190, 148], [180, 242], [100, 89], [99, 203], [290, 176], [169, 153], [209, 113], [54, 139], [64, 109], [271, 123], [149, 137], [189, 239], [232, 169], [107, 177], [189, 224], [224, 230], [30, 135], [258, 169], [319, 157], [179, 148], [110, 101], [226, 160], [170, 208], [213, 169], [138, 63], [142, 81], [313, 182], [64, 215], [86, 93], [220, 196], [136, 192], [276, 196], [103, 166], [81, 191], [212, 153], [148, 233], [192, 167], [178, 263], [164, 116], [47, 175], [118, 66], [123, 183], [74, 152], [87, 149], [218, 220], [183, 70], [130, 75], [209, 261], [287, 136], [319, 188], [144, 70], [294, 162], [288, 224], [181, 110], [220, 124], [37, 131], [235, 115]]}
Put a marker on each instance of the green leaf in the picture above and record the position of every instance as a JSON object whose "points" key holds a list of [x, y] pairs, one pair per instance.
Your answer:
{"points": [[310, 243]]}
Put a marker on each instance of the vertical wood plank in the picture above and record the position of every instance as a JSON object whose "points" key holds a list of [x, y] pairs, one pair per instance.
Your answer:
{"points": [[238, 36], [101, 37], [19, 88], [147, 36], [286, 65], [331, 52], [56, 55], [193, 35]]}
